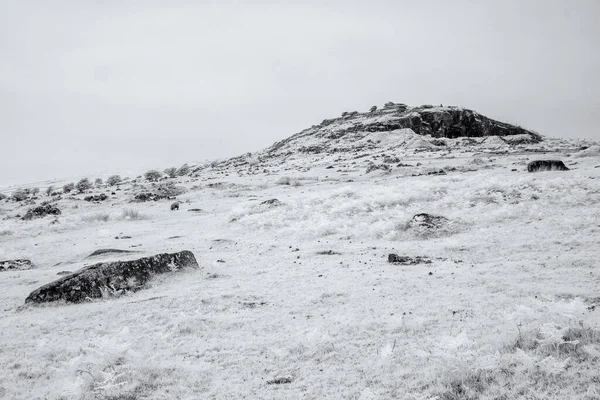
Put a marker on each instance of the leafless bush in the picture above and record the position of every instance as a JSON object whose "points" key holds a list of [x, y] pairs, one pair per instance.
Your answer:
{"points": [[153, 175], [20, 195], [98, 182], [171, 172], [183, 170], [69, 187], [113, 180], [83, 185]]}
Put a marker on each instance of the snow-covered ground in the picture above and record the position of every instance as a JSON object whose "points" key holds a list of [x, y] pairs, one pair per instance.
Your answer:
{"points": [[508, 308]]}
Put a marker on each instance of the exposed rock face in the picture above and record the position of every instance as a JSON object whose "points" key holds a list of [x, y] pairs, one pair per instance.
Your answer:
{"points": [[41, 211], [175, 206], [101, 279], [438, 122], [546, 165], [15, 265]]}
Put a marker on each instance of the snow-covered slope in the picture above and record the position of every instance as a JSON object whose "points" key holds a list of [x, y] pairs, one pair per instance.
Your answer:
{"points": [[297, 299]]}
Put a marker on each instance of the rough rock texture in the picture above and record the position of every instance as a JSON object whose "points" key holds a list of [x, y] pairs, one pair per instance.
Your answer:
{"points": [[175, 206], [428, 221], [108, 278], [406, 260], [271, 202], [15, 265], [100, 252], [438, 122], [546, 165], [41, 211]]}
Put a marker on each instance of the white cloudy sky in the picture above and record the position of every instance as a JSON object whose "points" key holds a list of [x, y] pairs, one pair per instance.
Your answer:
{"points": [[108, 85]]}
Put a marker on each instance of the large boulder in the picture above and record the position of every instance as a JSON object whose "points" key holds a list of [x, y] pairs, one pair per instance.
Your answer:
{"points": [[546, 165], [99, 280]]}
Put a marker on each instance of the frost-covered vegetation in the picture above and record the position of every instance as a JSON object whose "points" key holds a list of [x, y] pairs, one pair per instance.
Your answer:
{"points": [[296, 298]]}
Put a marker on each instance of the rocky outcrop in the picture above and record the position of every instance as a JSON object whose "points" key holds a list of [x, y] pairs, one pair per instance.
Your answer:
{"points": [[111, 278], [435, 121], [546, 165], [16, 265]]}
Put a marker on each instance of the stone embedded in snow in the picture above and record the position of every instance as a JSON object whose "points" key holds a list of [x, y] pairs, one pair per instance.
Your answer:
{"points": [[428, 221], [271, 202], [406, 260], [98, 280], [16, 265], [546, 165]]}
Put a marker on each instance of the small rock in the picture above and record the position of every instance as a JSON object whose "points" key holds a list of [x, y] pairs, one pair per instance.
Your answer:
{"points": [[428, 221], [271, 202], [546, 165], [406, 260], [280, 380]]}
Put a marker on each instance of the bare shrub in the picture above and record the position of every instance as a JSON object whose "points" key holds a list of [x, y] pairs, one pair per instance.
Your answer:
{"points": [[153, 175], [20, 195], [183, 170], [69, 187], [171, 172], [113, 180], [98, 182], [83, 185], [131, 214], [100, 217], [2, 196], [49, 190]]}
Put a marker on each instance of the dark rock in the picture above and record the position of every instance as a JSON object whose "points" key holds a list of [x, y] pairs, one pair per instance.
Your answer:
{"points": [[406, 260], [109, 251], [428, 221], [16, 265], [280, 380], [546, 165], [41, 211], [271, 202], [195, 209], [328, 253], [175, 206], [116, 277], [64, 273], [99, 197]]}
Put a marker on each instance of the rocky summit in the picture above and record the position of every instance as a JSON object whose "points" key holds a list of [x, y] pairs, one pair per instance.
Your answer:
{"points": [[395, 127]]}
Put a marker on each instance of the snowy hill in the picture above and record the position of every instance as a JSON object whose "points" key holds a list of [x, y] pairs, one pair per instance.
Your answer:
{"points": [[297, 297]]}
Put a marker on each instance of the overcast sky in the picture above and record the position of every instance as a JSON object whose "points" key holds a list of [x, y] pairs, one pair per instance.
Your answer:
{"points": [[107, 86]]}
